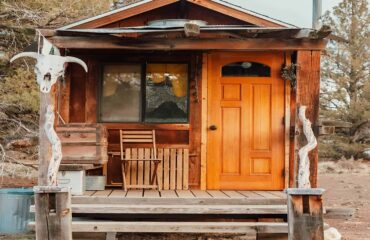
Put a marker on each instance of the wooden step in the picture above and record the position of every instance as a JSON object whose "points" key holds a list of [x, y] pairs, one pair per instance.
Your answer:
{"points": [[178, 227], [176, 209], [137, 200]]}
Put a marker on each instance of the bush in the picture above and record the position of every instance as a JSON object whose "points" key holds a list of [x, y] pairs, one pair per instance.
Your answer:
{"points": [[21, 89]]}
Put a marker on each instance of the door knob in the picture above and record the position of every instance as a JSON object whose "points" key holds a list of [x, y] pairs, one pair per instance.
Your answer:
{"points": [[213, 127]]}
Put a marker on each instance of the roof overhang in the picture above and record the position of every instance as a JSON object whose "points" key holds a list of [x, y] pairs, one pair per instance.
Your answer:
{"points": [[211, 37]]}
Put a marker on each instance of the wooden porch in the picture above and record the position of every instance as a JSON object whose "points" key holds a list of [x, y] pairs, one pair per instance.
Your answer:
{"points": [[253, 213], [181, 202]]}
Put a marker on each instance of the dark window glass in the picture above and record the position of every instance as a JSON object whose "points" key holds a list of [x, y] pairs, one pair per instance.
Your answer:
{"points": [[121, 93], [166, 93], [246, 69]]}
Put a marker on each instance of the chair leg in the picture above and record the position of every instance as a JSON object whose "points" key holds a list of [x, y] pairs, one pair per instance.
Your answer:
{"points": [[155, 175], [124, 186]]}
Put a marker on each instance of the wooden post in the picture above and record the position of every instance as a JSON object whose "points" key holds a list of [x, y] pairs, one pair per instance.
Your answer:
{"points": [[305, 214], [52, 204], [307, 94], [45, 150], [53, 213]]}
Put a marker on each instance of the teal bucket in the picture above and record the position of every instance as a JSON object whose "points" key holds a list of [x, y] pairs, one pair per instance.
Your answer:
{"points": [[15, 209]]}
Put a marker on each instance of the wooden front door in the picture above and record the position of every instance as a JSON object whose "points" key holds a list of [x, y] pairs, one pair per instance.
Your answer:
{"points": [[245, 148]]}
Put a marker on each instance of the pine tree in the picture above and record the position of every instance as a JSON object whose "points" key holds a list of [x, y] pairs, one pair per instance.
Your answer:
{"points": [[345, 91]]}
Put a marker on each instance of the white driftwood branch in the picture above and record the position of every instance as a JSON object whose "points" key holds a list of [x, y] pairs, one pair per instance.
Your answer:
{"points": [[304, 161], [56, 156]]}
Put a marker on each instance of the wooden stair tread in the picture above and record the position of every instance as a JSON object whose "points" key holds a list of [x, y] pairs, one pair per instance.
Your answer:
{"points": [[179, 227], [139, 199], [176, 209]]}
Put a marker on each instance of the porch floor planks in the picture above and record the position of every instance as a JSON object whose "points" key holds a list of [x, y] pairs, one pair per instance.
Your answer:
{"points": [[233, 194], [250, 194], [217, 194], [118, 196], [185, 194], [168, 194], [104, 193], [151, 194], [279, 194], [89, 193], [201, 194], [134, 194], [266, 194]]}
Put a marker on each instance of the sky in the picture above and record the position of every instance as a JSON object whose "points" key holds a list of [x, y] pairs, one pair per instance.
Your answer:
{"points": [[296, 12]]}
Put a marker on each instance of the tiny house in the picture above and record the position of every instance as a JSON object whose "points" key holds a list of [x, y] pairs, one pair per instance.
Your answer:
{"points": [[207, 77]]}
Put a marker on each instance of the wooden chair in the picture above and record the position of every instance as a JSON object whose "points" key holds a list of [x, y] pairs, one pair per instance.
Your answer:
{"points": [[139, 137]]}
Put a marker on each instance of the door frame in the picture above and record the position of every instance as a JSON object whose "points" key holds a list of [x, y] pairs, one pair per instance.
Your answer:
{"points": [[206, 57]]}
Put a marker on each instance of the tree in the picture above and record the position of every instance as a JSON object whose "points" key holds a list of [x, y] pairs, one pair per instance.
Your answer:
{"points": [[345, 91], [19, 93]]}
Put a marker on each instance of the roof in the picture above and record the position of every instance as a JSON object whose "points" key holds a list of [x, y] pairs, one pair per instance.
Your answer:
{"points": [[146, 5], [234, 31]]}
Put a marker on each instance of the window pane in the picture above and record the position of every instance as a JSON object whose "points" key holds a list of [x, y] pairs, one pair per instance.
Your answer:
{"points": [[121, 97], [246, 69], [167, 93]]}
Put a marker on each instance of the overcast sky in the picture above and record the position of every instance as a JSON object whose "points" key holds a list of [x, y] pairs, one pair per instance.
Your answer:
{"points": [[296, 12]]}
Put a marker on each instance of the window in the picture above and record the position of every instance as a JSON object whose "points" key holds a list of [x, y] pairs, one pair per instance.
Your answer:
{"points": [[161, 96], [246, 69], [121, 96]]}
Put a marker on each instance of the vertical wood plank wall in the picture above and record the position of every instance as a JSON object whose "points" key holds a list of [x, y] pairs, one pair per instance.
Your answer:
{"points": [[79, 103], [172, 171], [308, 91]]}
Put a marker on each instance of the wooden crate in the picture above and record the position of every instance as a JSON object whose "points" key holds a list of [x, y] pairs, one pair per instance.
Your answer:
{"points": [[83, 143]]}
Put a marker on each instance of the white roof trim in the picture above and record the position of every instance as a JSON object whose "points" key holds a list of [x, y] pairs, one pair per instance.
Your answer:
{"points": [[241, 9], [104, 14]]}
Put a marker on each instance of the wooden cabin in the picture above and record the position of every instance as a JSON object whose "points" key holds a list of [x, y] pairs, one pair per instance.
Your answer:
{"points": [[211, 87]]}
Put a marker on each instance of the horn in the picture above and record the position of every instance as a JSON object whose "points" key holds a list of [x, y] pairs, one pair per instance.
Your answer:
{"points": [[76, 60], [25, 54]]}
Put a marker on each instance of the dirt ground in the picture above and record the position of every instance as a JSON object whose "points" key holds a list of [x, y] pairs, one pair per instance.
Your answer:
{"points": [[348, 191]]}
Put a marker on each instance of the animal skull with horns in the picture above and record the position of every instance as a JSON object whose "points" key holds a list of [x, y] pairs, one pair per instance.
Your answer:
{"points": [[49, 67]]}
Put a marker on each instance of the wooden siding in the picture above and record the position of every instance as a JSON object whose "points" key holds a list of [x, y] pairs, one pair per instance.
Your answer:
{"points": [[79, 104]]}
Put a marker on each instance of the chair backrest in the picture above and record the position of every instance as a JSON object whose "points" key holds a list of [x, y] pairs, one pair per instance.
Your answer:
{"points": [[138, 137]]}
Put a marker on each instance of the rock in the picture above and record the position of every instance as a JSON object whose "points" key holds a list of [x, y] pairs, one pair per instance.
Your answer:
{"points": [[332, 234]]}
